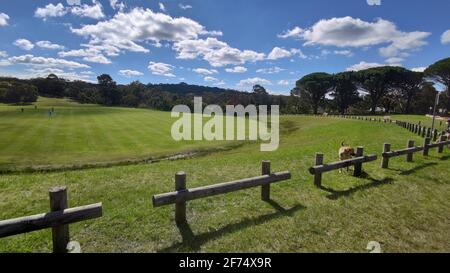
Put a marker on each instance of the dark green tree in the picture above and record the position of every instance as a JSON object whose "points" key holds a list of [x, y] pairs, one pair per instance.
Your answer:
{"points": [[313, 88], [344, 91]]}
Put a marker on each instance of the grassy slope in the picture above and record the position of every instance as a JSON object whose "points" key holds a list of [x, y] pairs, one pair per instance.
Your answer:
{"points": [[405, 207], [83, 133]]}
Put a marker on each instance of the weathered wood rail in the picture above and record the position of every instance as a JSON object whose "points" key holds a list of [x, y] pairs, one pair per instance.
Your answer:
{"points": [[357, 162], [58, 219], [182, 194]]}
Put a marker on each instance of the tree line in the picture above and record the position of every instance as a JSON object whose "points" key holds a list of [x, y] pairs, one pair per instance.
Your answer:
{"points": [[388, 89]]}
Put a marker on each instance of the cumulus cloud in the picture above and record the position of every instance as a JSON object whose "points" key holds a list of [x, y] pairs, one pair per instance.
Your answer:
{"points": [[46, 62], [184, 7], [161, 69], [205, 72], [126, 29], [90, 54], [50, 11], [48, 45], [24, 44], [354, 32], [73, 2], [418, 69], [3, 54], [252, 81], [3, 19], [95, 11], [130, 73], [374, 2], [115, 4], [271, 70], [346, 53], [445, 38], [283, 82], [296, 32], [161, 6], [216, 52], [210, 79], [236, 69], [363, 65], [279, 53]]}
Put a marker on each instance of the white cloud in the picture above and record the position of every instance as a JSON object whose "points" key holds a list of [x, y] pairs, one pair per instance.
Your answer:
{"points": [[48, 45], [161, 6], [374, 2], [271, 70], [363, 65], [445, 38], [24, 44], [418, 69], [354, 32], [73, 2], [130, 73], [394, 60], [50, 11], [4, 63], [346, 53], [115, 4], [205, 72], [90, 54], [161, 69], [278, 53], [296, 32], [95, 11], [126, 29], [283, 82], [236, 69], [44, 72], [3, 54], [216, 52], [45, 62], [3, 19], [210, 79], [252, 81], [184, 7]]}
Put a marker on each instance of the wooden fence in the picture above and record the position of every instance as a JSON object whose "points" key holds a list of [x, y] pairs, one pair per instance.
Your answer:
{"points": [[181, 194], [357, 162], [58, 219]]}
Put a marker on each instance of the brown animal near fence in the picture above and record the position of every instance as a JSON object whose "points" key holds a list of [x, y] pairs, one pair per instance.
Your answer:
{"points": [[357, 162], [182, 194], [58, 220]]}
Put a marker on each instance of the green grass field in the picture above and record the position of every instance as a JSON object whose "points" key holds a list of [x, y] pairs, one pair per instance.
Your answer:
{"points": [[82, 134], [405, 207]]}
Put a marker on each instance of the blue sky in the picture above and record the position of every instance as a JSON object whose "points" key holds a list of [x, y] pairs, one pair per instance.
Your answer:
{"points": [[226, 43]]}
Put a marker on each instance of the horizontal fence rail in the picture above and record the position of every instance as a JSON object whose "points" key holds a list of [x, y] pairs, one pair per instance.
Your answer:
{"points": [[341, 164], [58, 219], [51, 219], [222, 188], [182, 194]]}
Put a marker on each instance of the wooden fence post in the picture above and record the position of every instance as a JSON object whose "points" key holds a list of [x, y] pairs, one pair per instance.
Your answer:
{"points": [[358, 166], [409, 157], [435, 134], [60, 234], [318, 176], [425, 146], [441, 147], [424, 129], [265, 189], [180, 207], [385, 160]]}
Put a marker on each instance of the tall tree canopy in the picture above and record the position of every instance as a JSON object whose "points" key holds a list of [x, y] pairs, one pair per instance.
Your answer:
{"points": [[440, 72], [314, 86], [344, 91], [377, 82]]}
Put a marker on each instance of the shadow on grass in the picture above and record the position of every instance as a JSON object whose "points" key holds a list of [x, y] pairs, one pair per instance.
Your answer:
{"points": [[415, 169], [192, 242], [445, 157], [335, 194]]}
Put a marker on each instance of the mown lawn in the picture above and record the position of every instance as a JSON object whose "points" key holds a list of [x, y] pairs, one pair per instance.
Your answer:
{"points": [[405, 208], [80, 134]]}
